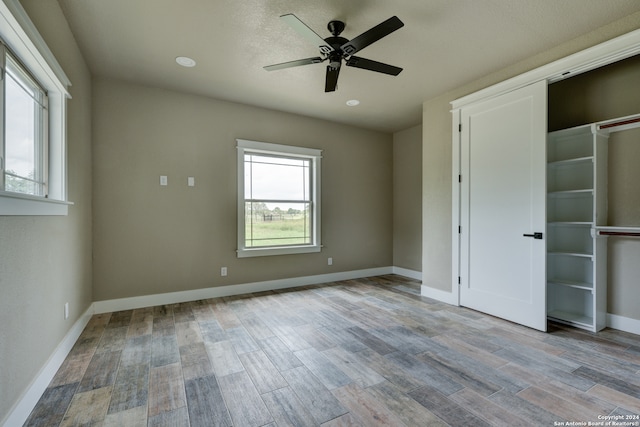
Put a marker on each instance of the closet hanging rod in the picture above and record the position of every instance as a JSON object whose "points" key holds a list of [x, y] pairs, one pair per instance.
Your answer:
{"points": [[620, 123], [618, 233]]}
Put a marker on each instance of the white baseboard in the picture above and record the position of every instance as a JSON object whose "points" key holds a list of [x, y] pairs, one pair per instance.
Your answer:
{"points": [[439, 295], [120, 304], [23, 407], [625, 324], [412, 274]]}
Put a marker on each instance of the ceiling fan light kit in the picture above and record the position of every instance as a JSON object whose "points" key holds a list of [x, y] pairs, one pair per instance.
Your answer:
{"points": [[337, 49]]}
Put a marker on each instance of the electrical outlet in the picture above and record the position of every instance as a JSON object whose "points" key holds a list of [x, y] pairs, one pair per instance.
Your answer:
{"points": [[330, 261], [66, 310], [223, 271]]}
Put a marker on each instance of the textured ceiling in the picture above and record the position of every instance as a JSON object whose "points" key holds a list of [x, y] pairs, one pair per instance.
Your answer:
{"points": [[444, 44]]}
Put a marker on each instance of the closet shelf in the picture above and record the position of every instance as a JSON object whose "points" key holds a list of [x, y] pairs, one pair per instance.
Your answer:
{"points": [[570, 162], [566, 193], [571, 318], [571, 284], [571, 224], [575, 254]]}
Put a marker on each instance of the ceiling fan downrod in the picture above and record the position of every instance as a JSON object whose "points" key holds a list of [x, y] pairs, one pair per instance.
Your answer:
{"points": [[335, 27]]}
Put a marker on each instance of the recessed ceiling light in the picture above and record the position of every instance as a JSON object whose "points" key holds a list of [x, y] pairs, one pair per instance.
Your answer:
{"points": [[185, 61], [353, 102]]}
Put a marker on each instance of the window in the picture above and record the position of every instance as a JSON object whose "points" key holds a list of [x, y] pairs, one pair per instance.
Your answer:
{"points": [[278, 199], [25, 136], [33, 94]]}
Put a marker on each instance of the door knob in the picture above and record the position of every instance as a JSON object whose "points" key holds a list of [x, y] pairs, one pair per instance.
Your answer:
{"points": [[534, 235]]}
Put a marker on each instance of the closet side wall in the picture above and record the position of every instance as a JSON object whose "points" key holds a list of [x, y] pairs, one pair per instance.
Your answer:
{"points": [[603, 94], [624, 210]]}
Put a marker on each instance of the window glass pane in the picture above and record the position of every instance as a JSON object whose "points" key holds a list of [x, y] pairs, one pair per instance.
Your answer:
{"points": [[277, 224], [23, 143], [276, 178], [279, 201]]}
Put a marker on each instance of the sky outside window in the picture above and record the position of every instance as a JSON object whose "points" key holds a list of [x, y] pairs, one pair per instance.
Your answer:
{"points": [[276, 178], [20, 129]]}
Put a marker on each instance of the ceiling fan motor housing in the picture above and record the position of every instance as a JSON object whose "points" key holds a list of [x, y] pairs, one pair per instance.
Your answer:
{"points": [[336, 56]]}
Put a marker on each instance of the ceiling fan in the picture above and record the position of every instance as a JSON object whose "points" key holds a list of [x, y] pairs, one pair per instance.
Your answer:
{"points": [[335, 49]]}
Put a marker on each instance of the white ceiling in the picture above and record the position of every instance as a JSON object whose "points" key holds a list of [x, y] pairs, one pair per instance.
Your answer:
{"points": [[444, 44]]}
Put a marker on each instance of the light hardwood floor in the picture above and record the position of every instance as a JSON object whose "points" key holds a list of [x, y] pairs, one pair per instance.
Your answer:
{"points": [[363, 352]]}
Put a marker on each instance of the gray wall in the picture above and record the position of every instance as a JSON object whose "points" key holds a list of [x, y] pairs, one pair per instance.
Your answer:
{"points": [[150, 239], [46, 261], [407, 198], [436, 150]]}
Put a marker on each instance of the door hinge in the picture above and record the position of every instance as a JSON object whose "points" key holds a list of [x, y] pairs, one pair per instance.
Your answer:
{"points": [[459, 281], [459, 127], [459, 229], [459, 178]]}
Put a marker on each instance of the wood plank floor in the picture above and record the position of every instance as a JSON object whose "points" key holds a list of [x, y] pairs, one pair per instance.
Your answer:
{"points": [[363, 352]]}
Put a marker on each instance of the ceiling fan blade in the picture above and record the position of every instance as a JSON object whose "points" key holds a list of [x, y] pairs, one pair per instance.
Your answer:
{"points": [[372, 35], [306, 32], [331, 81], [368, 64], [297, 63]]}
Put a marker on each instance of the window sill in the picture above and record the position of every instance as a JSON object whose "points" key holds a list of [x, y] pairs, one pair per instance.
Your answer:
{"points": [[285, 250], [14, 204]]}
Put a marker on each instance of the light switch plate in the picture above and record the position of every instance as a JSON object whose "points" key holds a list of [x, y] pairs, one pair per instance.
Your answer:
{"points": [[191, 181], [163, 180]]}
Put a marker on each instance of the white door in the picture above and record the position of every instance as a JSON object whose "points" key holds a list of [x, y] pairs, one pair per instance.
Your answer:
{"points": [[503, 198]]}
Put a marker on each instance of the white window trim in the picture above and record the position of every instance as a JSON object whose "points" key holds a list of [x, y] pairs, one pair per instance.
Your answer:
{"points": [[21, 36], [286, 150]]}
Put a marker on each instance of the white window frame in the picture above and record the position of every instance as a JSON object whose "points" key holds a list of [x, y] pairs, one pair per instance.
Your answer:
{"points": [[315, 156], [23, 40]]}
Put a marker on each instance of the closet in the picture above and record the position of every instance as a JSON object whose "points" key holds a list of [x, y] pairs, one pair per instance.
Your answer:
{"points": [[506, 262], [595, 273], [578, 224]]}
